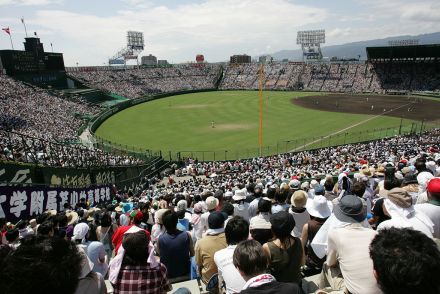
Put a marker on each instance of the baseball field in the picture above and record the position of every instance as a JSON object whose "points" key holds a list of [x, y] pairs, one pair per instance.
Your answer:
{"points": [[228, 121]]}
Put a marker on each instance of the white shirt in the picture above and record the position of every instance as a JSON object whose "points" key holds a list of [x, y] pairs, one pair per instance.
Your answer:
{"points": [[197, 231], [300, 220], [400, 222], [242, 209], [348, 247], [253, 206], [226, 269], [260, 221], [433, 212], [204, 221]]}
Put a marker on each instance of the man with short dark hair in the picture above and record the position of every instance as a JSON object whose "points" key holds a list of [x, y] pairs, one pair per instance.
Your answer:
{"points": [[405, 261], [236, 230], [175, 248], [213, 241], [251, 262]]}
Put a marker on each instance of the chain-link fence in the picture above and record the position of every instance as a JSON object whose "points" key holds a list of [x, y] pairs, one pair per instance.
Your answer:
{"points": [[282, 146]]}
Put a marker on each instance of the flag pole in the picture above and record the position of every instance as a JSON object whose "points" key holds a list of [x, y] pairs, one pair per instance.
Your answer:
{"points": [[261, 75], [10, 38], [25, 30]]}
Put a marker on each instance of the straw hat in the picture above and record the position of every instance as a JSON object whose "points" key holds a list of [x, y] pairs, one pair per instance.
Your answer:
{"points": [[72, 217]]}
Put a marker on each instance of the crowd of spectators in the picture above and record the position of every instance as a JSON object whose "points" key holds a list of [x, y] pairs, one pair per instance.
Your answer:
{"points": [[36, 112], [363, 218], [135, 83], [334, 77], [21, 148]]}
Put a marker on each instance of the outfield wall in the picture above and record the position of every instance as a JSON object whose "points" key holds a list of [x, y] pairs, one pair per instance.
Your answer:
{"points": [[124, 177]]}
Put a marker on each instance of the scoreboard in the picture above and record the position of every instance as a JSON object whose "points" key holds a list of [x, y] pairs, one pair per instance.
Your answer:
{"points": [[32, 60]]}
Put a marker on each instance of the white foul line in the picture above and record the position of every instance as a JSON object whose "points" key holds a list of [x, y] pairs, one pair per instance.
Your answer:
{"points": [[349, 127]]}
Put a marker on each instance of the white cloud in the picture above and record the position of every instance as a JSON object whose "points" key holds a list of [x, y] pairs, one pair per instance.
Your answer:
{"points": [[217, 28], [222, 27], [29, 2]]}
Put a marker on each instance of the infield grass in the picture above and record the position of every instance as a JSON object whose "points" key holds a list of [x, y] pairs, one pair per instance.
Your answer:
{"points": [[184, 123]]}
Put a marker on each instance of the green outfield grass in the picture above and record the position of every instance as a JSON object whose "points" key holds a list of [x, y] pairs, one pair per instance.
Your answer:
{"points": [[183, 123]]}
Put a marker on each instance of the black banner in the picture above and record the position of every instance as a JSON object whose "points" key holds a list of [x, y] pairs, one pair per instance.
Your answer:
{"points": [[28, 202]]}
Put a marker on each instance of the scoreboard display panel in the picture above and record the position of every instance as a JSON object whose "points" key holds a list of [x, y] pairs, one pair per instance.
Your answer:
{"points": [[32, 60]]}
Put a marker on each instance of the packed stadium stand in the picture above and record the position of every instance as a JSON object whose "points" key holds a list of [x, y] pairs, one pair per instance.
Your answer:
{"points": [[135, 83], [359, 77], [40, 113], [17, 147]]}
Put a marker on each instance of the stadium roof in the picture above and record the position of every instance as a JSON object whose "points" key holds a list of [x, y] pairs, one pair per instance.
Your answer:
{"points": [[420, 52]]}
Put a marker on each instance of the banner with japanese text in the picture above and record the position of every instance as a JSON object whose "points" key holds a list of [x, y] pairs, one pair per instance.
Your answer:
{"points": [[28, 202]]}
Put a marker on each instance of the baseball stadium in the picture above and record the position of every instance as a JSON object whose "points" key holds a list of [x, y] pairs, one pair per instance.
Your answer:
{"points": [[255, 174]]}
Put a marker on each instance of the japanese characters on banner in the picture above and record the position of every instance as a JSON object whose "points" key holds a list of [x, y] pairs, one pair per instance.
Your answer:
{"points": [[28, 202]]}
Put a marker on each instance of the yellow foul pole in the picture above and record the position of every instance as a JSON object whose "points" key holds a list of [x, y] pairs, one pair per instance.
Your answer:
{"points": [[261, 76]]}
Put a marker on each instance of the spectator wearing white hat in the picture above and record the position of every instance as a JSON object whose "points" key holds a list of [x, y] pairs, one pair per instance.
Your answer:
{"points": [[211, 205], [299, 212], [241, 207], [319, 209], [423, 177], [260, 227], [398, 206]]}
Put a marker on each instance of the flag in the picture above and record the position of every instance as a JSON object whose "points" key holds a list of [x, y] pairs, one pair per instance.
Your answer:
{"points": [[7, 30]]}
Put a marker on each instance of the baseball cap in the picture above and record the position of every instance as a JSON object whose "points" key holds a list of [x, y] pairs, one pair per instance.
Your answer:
{"points": [[433, 185]]}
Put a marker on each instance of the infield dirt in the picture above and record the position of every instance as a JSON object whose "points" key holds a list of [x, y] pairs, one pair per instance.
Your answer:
{"points": [[397, 106]]}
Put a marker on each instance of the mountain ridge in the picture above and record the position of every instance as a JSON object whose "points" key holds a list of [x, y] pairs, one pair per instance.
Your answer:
{"points": [[354, 49]]}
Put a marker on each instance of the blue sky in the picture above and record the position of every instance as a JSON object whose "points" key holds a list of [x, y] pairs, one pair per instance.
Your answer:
{"points": [[89, 32]]}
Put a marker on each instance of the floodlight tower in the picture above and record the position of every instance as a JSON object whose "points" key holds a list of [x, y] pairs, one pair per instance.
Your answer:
{"points": [[135, 45], [310, 42]]}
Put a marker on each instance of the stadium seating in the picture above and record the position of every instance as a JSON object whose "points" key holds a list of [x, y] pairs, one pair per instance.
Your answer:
{"points": [[134, 83]]}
